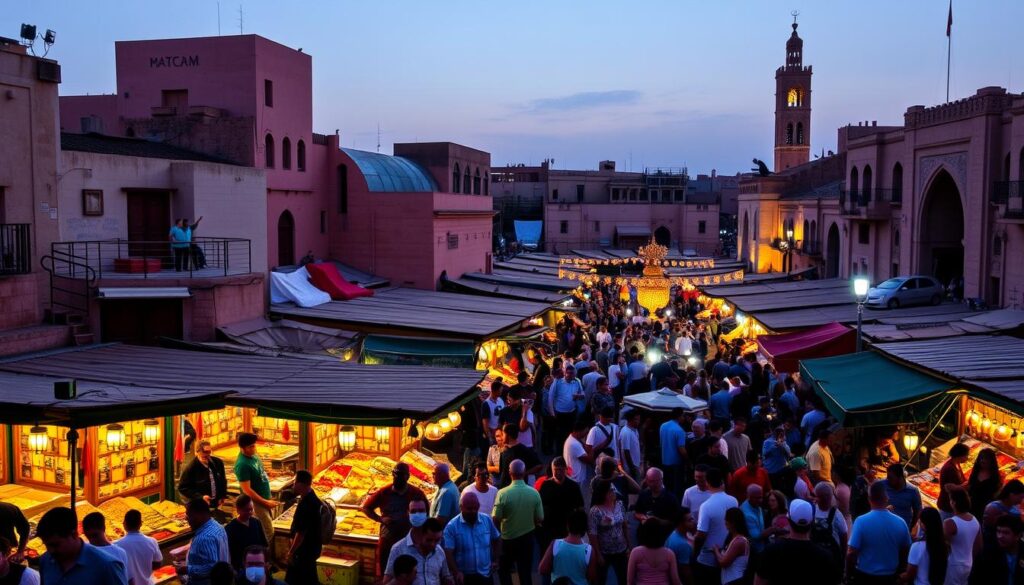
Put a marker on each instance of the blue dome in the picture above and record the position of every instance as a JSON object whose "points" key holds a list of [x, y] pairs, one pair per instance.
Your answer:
{"points": [[391, 174]]}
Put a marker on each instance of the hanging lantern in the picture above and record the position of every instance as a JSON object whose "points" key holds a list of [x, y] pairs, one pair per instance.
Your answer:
{"points": [[433, 432], [150, 431], [455, 418], [347, 438], [38, 439], [445, 424], [910, 441], [1002, 433], [652, 289], [115, 438], [382, 435], [973, 419], [986, 426]]}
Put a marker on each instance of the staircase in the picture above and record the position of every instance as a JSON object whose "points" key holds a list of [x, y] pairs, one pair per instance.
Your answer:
{"points": [[70, 296]]}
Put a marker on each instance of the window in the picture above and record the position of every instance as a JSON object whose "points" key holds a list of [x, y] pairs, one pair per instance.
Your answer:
{"points": [[476, 183], [563, 227], [678, 194], [997, 246], [896, 239], [794, 97], [799, 132], [466, 185], [854, 179], [789, 133], [654, 195], [597, 226], [895, 270], [286, 154], [342, 188], [487, 184], [323, 222], [300, 156], [643, 194], [453, 241], [863, 233], [456, 180], [702, 226], [268, 151], [580, 190], [554, 194], [615, 194], [897, 183], [175, 98], [633, 194], [268, 93], [866, 189]]}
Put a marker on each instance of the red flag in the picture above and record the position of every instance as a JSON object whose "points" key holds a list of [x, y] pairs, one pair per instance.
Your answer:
{"points": [[199, 426], [949, 21], [286, 434], [179, 441]]}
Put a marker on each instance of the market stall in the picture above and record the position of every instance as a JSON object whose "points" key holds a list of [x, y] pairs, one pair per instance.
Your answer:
{"points": [[786, 350]]}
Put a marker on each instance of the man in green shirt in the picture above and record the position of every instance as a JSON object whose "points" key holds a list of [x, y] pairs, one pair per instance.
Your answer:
{"points": [[518, 511], [253, 481]]}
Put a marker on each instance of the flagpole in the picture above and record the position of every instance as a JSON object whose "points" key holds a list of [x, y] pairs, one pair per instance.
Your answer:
{"points": [[949, 50]]}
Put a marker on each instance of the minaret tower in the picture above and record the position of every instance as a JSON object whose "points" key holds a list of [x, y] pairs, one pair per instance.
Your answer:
{"points": [[792, 106]]}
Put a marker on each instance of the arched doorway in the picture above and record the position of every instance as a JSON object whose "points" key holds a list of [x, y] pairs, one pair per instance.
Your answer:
{"points": [[744, 240], [663, 236], [941, 252], [286, 239], [832, 253]]}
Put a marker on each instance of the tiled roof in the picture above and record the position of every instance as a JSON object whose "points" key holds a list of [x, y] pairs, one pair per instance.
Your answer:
{"points": [[102, 144], [829, 190]]}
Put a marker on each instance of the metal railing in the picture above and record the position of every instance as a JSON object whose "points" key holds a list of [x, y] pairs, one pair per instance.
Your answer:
{"points": [[202, 258], [855, 201], [810, 248], [15, 249], [1011, 195]]}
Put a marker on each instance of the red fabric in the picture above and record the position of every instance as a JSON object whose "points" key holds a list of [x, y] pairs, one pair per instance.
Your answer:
{"points": [[286, 434], [325, 276], [179, 441], [787, 349], [199, 426]]}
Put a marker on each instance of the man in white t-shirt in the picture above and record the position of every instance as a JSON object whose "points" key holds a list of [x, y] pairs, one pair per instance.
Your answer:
{"points": [[629, 445], [143, 552], [491, 409], [603, 337], [698, 493], [485, 492], [684, 345], [604, 432], [618, 376], [576, 454], [711, 530]]}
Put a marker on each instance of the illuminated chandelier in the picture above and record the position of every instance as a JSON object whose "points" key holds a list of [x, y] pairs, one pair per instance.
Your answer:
{"points": [[652, 288]]}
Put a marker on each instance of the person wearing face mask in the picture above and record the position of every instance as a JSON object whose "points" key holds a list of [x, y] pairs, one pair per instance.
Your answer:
{"points": [[256, 568], [392, 502], [306, 544], [423, 543], [243, 531]]}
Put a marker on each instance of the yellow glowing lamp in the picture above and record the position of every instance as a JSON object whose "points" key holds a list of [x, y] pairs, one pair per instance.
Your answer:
{"points": [[445, 424], [1002, 433], [38, 439], [347, 438], [382, 435], [986, 426], [433, 432], [455, 418], [115, 438], [973, 419], [910, 441], [150, 431]]}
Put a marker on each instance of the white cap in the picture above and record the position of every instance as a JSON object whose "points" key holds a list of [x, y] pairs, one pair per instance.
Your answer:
{"points": [[801, 513]]}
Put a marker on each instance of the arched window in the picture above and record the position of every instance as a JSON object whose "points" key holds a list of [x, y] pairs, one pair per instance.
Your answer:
{"points": [[866, 189], [487, 184], [789, 133], [1006, 167], [476, 182], [268, 151], [286, 153], [456, 180], [896, 238], [854, 183], [466, 185], [799, 132], [813, 234], [300, 156], [897, 183], [806, 235], [795, 97], [285, 239]]}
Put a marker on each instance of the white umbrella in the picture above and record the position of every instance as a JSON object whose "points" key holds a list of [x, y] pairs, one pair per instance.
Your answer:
{"points": [[665, 400]]}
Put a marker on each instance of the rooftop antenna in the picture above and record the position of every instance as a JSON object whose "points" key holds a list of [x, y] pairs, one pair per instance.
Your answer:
{"points": [[378, 137], [241, 20], [218, 19]]}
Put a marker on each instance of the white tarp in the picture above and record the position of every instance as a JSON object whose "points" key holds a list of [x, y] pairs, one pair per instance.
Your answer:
{"points": [[665, 400], [295, 287]]}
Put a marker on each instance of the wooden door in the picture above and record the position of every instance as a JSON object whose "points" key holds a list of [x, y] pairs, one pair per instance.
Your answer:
{"points": [[142, 321], [149, 222]]}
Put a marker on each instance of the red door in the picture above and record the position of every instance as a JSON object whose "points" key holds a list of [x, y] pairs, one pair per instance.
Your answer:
{"points": [[149, 223]]}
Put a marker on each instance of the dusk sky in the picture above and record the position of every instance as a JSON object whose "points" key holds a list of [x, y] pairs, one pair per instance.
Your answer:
{"points": [[646, 83]]}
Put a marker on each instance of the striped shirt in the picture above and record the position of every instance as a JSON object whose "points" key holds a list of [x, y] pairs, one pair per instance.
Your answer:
{"points": [[209, 547]]}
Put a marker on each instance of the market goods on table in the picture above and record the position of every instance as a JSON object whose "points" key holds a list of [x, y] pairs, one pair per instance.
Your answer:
{"points": [[927, 481], [351, 523], [349, 480]]}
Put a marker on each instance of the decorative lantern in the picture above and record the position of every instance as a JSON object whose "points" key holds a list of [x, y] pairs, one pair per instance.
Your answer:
{"points": [[38, 439], [652, 290], [1002, 433], [445, 424], [433, 432], [986, 426], [115, 438], [455, 418], [347, 438], [910, 441], [973, 419], [382, 435], [150, 431]]}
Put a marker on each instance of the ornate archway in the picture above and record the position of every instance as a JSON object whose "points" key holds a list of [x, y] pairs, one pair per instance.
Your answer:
{"points": [[663, 236], [286, 239], [941, 232]]}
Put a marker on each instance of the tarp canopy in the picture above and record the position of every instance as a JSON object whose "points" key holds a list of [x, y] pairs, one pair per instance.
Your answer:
{"points": [[665, 400], [528, 232], [785, 350], [424, 351], [866, 389], [284, 336]]}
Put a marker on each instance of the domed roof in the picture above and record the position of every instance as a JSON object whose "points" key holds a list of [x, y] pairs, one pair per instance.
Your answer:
{"points": [[393, 174]]}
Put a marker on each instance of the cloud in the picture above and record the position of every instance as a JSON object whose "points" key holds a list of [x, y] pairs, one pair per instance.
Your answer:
{"points": [[583, 100]]}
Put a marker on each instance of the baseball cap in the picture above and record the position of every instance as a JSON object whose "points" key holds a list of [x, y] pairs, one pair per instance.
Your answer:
{"points": [[801, 513], [798, 463]]}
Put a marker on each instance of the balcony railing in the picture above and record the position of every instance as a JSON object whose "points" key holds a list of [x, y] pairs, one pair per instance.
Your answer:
{"points": [[1010, 195], [125, 259], [872, 204], [15, 249], [810, 248]]}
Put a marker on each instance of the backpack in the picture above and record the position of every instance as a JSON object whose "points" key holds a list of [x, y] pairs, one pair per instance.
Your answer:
{"points": [[823, 535], [328, 520]]}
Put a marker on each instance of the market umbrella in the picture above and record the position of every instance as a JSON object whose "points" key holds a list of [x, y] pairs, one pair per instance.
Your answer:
{"points": [[665, 400]]}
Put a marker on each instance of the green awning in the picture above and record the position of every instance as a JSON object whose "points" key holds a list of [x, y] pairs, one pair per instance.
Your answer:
{"points": [[392, 350], [866, 389]]}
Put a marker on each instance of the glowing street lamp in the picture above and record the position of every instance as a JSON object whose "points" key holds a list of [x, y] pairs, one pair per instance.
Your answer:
{"points": [[860, 290]]}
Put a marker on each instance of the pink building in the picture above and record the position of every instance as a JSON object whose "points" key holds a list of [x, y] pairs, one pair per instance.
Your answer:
{"points": [[940, 195], [249, 100]]}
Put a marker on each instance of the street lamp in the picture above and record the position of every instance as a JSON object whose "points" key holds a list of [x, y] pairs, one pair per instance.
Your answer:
{"points": [[789, 249], [860, 290]]}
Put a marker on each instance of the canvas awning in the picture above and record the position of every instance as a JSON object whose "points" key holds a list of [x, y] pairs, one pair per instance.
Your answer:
{"points": [[143, 292], [785, 350], [866, 389], [386, 349]]}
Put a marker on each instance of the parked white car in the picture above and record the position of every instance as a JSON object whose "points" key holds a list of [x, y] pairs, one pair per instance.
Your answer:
{"points": [[905, 291]]}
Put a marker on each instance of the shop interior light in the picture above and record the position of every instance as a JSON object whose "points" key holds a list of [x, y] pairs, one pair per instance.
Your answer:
{"points": [[455, 418], [741, 318], [115, 438], [382, 435], [433, 432], [910, 441], [150, 431], [445, 424], [38, 439], [347, 438]]}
